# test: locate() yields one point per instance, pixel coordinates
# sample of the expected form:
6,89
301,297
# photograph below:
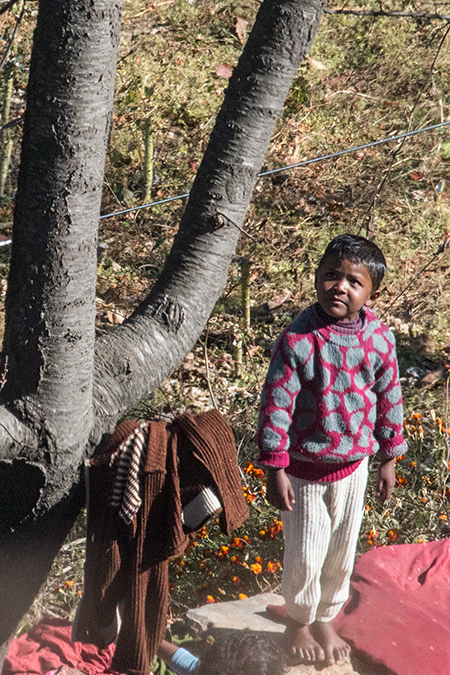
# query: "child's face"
343,287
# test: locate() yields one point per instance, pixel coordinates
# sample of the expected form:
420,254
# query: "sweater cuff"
277,460
388,451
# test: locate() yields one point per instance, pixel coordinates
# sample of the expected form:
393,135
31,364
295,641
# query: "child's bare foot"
300,644
335,648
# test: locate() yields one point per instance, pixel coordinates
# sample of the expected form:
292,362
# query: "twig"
152,8
382,183
440,250
13,36
7,5
397,15
208,378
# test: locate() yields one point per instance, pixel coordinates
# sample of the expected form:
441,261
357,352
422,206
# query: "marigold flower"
262,534
248,468
391,535
249,495
246,538
443,516
256,568
237,542
257,473
401,480
69,584
272,567
203,533
258,559
237,582
222,553
235,560
209,599
242,596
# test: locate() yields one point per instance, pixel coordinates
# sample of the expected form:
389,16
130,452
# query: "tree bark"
50,306
132,359
59,399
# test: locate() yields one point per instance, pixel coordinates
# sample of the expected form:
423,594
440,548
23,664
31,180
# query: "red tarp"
48,646
398,614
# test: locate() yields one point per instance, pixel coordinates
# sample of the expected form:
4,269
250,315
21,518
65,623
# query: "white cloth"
321,533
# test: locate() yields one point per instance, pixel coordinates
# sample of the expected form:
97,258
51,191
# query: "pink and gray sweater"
331,397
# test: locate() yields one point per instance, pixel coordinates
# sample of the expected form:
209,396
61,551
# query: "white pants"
321,533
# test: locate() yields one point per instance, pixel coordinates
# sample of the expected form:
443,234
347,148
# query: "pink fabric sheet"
398,615
48,646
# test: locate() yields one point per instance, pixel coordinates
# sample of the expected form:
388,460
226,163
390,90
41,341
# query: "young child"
238,653
331,399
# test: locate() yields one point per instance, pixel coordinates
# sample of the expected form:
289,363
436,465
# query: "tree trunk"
60,399
50,305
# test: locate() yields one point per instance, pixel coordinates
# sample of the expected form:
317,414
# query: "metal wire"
305,162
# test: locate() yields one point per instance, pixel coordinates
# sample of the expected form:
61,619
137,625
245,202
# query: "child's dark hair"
358,250
244,653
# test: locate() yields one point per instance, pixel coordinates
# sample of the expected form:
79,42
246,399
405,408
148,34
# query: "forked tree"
63,389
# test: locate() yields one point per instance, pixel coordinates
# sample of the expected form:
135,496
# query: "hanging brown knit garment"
130,564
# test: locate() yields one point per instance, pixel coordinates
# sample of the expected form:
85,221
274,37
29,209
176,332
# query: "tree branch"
132,359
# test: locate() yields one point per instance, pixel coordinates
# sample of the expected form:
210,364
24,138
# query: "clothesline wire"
305,162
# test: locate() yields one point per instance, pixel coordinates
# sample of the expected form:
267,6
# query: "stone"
217,618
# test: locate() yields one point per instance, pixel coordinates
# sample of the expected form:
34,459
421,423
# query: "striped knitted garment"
148,473
332,395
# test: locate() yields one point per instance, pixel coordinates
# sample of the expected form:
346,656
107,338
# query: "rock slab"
217,618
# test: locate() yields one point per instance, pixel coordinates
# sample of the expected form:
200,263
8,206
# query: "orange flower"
391,535
235,560
237,582
249,495
203,533
256,568
222,553
209,599
69,584
237,542
401,480
272,567
242,596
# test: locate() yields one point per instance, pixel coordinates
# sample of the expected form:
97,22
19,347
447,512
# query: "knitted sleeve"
389,422
279,394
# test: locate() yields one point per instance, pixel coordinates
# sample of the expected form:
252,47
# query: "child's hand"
385,481
279,490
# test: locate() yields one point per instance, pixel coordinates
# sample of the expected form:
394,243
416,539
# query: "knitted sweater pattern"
331,396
